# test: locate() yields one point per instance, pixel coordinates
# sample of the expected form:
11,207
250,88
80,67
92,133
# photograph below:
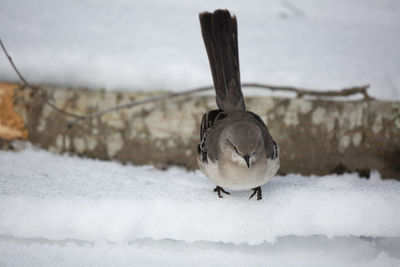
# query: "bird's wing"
271,147
207,123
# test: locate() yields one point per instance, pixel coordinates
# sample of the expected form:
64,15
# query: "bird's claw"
218,189
258,191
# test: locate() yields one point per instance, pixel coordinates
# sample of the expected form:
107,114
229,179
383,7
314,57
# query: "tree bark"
315,136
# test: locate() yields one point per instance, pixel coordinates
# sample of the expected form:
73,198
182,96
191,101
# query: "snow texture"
63,210
149,45
287,252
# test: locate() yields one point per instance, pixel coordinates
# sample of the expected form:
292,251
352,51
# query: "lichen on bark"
315,136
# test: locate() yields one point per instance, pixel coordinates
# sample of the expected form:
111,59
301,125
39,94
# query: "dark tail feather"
219,30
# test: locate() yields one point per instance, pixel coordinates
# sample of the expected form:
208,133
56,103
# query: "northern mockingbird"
236,150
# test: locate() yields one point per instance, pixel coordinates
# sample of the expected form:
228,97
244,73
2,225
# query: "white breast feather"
235,175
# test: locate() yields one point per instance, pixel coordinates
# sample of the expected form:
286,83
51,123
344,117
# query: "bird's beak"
247,159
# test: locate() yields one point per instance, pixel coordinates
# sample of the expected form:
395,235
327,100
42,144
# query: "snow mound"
68,198
137,45
287,252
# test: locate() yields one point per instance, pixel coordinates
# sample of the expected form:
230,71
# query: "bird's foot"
258,191
219,189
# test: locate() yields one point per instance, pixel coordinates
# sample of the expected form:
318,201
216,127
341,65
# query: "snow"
68,211
150,45
290,251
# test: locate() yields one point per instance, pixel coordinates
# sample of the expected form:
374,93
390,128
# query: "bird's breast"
228,174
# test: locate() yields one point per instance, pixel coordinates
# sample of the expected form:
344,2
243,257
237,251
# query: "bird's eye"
233,146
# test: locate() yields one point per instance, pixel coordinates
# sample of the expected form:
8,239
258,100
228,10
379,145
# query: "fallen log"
315,136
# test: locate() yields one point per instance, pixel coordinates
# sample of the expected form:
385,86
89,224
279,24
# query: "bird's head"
244,142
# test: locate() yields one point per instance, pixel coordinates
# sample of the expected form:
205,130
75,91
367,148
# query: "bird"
236,150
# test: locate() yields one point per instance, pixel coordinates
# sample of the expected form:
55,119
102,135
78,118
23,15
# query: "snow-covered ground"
68,211
142,45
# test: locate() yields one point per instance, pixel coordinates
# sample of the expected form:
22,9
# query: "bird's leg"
218,189
258,191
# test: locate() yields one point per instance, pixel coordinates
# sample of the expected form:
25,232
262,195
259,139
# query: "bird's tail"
219,30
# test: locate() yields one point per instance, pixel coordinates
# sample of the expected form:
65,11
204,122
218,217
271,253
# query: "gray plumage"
219,32
236,150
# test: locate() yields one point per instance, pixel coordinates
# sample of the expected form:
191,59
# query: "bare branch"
326,93
13,65
45,100
36,89
78,118
138,103
299,91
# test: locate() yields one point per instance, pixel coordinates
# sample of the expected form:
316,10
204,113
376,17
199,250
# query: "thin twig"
13,65
326,93
299,91
36,89
139,102
78,118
